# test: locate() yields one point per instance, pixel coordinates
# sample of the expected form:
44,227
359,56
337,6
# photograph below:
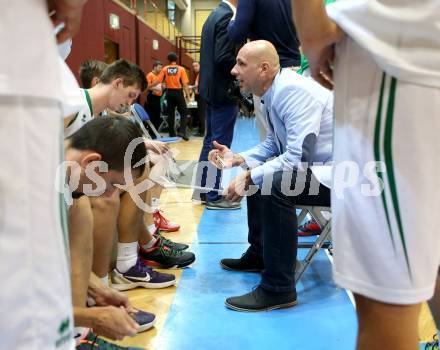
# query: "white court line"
349,293
169,184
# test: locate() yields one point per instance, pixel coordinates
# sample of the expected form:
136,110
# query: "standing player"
35,297
387,100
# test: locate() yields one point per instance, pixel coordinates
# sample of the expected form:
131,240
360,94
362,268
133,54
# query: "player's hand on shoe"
109,296
114,323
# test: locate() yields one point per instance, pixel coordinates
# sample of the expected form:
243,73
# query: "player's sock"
127,256
105,280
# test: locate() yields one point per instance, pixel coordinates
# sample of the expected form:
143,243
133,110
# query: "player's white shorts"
35,297
386,243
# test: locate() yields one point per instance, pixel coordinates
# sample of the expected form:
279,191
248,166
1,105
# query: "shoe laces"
148,270
162,219
434,345
307,223
92,343
140,266
167,250
165,241
98,343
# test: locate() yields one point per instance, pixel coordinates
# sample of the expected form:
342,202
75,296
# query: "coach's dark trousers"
273,226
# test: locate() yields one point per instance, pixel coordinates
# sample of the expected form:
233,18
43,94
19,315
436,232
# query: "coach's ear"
264,67
89,158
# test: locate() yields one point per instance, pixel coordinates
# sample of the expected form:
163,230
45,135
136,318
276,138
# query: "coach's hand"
223,158
238,187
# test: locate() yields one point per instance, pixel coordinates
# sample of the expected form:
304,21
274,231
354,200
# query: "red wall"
125,36
147,55
134,37
88,43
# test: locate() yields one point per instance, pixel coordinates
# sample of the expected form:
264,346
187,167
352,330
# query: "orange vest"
157,90
175,76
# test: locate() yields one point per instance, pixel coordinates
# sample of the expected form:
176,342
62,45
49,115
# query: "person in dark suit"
217,58
271,21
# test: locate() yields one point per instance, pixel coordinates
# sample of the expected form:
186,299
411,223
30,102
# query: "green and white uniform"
387,105
35,297
82,117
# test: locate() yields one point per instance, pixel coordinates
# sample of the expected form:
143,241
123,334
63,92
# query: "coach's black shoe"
247,263
262,300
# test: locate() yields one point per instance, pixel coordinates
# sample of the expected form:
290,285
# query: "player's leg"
105,216
434,306
155,219
130,271
380,253
81,248
386,326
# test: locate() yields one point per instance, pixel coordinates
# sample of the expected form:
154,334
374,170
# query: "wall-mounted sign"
114,21
155,44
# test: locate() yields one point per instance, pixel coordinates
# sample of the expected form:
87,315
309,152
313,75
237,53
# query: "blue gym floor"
323,319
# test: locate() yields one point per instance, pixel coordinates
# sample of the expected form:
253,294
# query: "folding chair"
138,115
323,240
163,113
138,111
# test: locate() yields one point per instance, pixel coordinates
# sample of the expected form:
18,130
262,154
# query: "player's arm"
69,119
158,80
150,81
317,37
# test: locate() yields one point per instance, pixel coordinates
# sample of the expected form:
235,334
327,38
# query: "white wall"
187,20
184,19
205,4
